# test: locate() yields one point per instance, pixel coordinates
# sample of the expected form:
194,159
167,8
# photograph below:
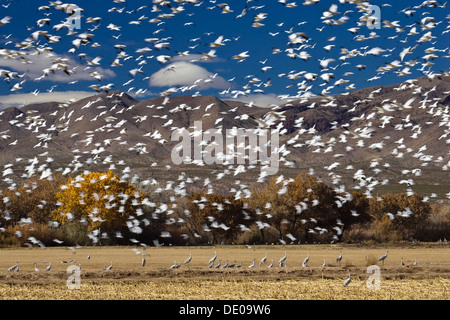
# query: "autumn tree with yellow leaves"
100,200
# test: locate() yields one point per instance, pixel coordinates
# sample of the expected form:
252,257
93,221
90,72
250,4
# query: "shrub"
436,227
383,230
358,233
34,234
75,232
255,236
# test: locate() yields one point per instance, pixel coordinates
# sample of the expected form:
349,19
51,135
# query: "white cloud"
182,73
29,98
195,57
34,66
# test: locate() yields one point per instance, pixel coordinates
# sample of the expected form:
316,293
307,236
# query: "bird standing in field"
253,264
108,267
226,264
283,259
143,253
188,260
383,257
339,258
263,260
305,262
14,267
211,261
347,281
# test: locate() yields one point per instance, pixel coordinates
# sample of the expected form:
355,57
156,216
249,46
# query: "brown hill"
389,133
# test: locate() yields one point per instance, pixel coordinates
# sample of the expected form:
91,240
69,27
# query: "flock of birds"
282,263
44,39
216,263
300,45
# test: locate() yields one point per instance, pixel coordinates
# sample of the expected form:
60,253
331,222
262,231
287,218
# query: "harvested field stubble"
128,279
305,289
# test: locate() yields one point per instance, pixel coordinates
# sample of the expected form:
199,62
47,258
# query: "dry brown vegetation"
305,210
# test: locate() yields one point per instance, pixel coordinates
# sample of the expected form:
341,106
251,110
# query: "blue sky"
163,29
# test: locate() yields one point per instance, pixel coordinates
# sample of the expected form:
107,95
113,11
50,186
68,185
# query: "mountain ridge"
401,127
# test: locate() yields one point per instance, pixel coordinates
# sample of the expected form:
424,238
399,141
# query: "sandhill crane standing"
253,264
347,281
188,260
263,260
283,259
211,261
108,267
382,258
270,265
217,265
339,258
305,261
49,267
226,264
143,261
14,267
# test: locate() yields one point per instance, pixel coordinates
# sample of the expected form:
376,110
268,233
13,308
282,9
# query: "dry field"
128,279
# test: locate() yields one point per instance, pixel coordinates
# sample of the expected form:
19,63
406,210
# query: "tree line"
103,209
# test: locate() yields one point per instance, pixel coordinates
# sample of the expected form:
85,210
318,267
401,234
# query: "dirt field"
128,279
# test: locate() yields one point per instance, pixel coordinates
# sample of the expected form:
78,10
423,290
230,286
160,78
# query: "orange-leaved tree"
101,200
